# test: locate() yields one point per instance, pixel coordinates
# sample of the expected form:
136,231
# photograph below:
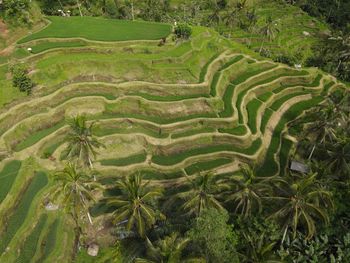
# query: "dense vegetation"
174,144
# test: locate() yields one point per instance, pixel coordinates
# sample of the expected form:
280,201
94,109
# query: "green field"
92,28
167,111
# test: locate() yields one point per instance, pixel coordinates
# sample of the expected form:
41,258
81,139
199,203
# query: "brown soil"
3,29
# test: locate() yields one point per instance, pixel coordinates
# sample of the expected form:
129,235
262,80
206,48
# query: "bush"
111,8
20,79
183,31
17,11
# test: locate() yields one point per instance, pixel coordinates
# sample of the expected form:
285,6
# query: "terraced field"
169,111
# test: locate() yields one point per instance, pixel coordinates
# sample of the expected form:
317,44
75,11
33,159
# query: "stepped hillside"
168,110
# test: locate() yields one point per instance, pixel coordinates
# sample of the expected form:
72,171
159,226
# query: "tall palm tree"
202,194
167,250
215,16
82,144
269,31
135,204
247,191
301,201
74,192
323,125
338,157
259,248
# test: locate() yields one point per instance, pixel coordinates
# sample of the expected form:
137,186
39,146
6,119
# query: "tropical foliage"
134,205
202,194
82,145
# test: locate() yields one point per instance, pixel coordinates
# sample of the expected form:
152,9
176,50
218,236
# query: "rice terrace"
112,102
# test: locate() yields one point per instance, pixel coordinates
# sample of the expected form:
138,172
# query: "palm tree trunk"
92,167
312,152
81,14
284,235
77,232
262,43
89,216
132,11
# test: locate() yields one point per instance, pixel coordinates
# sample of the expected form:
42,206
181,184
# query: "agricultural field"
166,110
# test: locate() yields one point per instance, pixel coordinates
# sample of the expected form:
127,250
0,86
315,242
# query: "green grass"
239,130
179,157
265,96
138,158
286,147
279,102
102,129
49,242
206,165
50,45
158,175
252,109
252,71
30,244
100,29
213,83
37,136
265,119
192,132
7,177
227,98
270,166
204,70
15,220
156,119
284,73
51,148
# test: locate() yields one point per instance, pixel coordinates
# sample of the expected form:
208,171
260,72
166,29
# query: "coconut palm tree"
259,248
202,194
301,201
82,144
168,250
338,157
247,191
269,31
135,204
73,191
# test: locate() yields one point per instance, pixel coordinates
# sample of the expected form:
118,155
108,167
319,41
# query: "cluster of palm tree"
296,202
76,182
325,140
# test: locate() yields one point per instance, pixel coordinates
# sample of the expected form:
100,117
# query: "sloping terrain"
167,110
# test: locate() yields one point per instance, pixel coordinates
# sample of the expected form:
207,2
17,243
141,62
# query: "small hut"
299,167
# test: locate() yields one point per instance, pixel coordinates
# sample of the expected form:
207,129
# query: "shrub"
111,8
183,31
20,78
17,11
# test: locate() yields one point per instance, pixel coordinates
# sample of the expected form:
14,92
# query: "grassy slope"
93,28
166,64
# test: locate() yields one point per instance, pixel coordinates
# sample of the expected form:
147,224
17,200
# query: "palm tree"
168,250
201,194
135,204
259,248
338,157
79,7
269,31
247,191
74,192
82,144
323,125
301,201
214,17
